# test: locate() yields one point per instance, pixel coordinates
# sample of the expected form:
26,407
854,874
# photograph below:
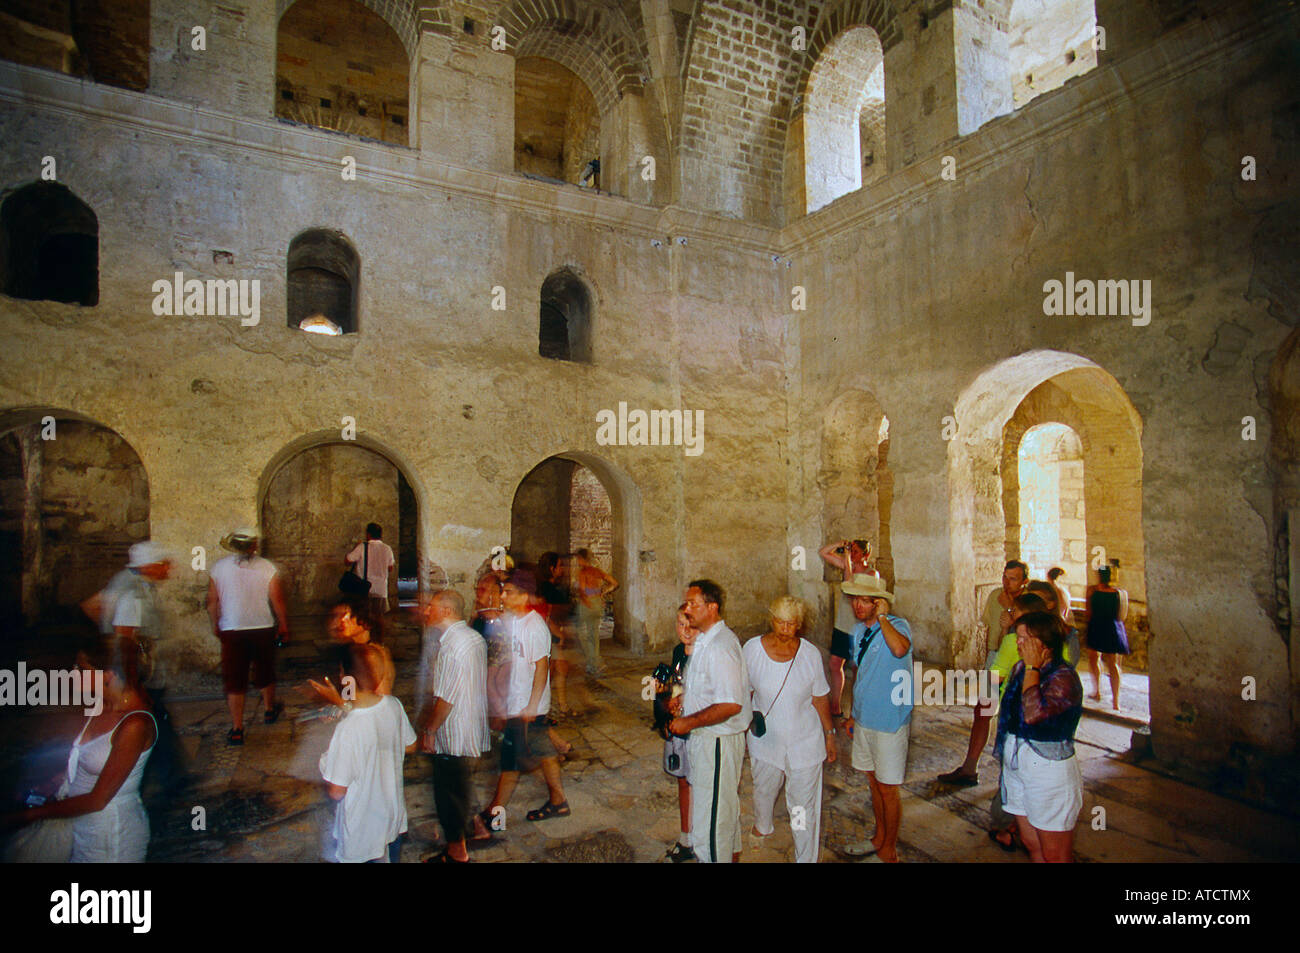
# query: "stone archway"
314,501
542,518
74,496
993,413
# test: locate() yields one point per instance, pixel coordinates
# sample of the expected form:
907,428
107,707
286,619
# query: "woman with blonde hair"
791,735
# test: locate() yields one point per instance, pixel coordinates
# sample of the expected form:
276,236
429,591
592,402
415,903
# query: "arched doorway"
315,500
995,414
574,500
74,497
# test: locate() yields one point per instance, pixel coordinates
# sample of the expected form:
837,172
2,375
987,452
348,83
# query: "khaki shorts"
882,752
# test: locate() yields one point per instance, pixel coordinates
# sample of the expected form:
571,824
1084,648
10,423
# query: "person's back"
365,756
244,586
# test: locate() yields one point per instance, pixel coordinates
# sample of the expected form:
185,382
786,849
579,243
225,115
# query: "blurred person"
882,648
1105,615
527,746
100,790
453,719
1041,783
127,611
488,623
247,607
714,711
372,559
850,557
555,605
790,691
593,586
362,767
676,760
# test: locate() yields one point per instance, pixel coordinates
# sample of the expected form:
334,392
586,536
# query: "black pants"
451,794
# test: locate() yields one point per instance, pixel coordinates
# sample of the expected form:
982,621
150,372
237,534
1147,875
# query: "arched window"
844,117
557,124
1052,515
324,272
340,66
564,326
51,245
103,40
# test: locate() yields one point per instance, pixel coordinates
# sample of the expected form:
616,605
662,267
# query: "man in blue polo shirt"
882,649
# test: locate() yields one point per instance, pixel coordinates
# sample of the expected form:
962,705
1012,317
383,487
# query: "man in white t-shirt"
373,560
453,717
363,767
247,607
527,744
713,711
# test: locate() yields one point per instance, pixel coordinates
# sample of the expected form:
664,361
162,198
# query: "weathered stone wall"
316,511
924,293
941,287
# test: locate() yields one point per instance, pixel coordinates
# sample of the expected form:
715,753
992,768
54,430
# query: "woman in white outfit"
105,767
788,679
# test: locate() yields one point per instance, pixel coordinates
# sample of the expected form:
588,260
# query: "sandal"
548,810
235,736
272,714
443,858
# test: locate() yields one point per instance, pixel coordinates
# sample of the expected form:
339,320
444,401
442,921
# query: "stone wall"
316,510
942,283
924,293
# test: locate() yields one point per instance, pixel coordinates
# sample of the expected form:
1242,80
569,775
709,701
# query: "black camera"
665,676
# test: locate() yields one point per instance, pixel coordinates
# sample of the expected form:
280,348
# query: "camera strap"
866,641
789,669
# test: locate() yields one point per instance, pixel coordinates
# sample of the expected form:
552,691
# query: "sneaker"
680,853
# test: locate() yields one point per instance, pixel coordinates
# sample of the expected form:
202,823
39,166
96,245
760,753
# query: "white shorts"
1048,794
882,752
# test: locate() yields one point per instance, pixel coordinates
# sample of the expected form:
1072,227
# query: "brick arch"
596,44
401,15
835,19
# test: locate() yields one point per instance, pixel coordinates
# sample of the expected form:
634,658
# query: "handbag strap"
788,670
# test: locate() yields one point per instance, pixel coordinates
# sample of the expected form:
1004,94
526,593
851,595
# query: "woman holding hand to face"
1041,784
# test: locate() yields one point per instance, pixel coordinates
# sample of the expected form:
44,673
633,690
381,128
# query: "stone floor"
264,801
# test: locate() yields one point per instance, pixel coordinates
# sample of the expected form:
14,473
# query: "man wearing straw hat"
882,714
246,603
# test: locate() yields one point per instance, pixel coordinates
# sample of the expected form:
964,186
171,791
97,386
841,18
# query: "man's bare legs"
887,806
509,780
236,705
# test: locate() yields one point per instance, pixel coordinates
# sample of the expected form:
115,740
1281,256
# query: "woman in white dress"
788,680
105,767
